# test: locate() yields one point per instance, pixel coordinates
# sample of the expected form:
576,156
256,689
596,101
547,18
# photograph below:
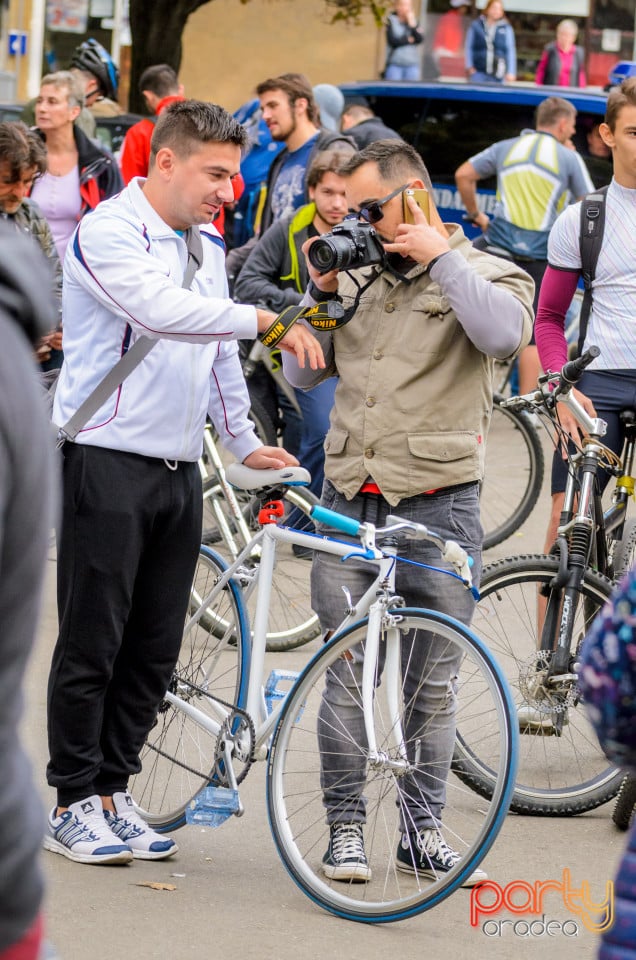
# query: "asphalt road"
233,897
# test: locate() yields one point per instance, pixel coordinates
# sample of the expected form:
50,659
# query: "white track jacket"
122,279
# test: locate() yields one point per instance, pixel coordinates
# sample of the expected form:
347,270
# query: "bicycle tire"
625,806
292,622
268,435
294,795
513,449
177,759
625,550
263,424
557,775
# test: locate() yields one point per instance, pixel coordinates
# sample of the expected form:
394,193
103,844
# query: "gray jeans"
429,665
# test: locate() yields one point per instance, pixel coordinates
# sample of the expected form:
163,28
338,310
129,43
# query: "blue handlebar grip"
335,520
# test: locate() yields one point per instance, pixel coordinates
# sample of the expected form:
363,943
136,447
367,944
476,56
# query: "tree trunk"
156,29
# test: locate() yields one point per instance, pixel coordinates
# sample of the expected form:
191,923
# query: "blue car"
449,122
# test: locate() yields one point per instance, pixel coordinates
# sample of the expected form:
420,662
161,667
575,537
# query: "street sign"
17,43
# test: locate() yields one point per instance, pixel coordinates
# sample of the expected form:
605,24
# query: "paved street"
234,898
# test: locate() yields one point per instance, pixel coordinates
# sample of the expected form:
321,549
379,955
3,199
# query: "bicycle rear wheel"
393,799
513,449
559,774
178,758
213,499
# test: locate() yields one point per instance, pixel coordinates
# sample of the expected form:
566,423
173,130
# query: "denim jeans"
429,666
315,405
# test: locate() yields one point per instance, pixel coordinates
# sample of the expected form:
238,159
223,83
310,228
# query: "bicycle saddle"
246,478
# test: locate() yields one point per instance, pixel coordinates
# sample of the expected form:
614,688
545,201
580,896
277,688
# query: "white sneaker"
145,843
81,834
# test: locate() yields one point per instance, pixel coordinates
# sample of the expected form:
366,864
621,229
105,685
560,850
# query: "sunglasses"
373,212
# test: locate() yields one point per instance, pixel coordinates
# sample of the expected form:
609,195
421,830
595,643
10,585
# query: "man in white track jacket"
131,526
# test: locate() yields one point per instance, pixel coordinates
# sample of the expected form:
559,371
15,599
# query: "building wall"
229,47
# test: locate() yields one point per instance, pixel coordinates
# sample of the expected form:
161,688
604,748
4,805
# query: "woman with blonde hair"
491,51
79,172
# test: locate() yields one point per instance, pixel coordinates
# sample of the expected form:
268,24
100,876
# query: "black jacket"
98,171
368,131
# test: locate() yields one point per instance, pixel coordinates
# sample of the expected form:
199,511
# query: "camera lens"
332,253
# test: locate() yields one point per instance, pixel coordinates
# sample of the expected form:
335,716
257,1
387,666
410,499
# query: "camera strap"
326,316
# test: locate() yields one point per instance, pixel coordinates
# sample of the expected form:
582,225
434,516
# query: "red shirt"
135,150
135,154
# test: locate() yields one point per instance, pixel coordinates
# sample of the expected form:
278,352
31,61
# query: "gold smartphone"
421,198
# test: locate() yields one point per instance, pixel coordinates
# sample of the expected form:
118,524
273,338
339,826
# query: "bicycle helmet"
92,57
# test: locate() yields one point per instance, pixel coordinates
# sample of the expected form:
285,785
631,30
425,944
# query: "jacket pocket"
336,441
443,447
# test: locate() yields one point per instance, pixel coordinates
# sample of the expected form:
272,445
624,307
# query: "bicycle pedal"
213,806
273,693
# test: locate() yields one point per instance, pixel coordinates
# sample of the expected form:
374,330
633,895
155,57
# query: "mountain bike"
222,713
534,612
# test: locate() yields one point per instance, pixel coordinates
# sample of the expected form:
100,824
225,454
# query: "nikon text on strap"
590,242
133,357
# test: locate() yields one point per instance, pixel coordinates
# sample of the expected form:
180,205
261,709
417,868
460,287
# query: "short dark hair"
327,161
619,97
395,160
550,111
16,148
160,79
295,86
186,124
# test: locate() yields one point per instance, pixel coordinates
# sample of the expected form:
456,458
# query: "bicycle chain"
236,713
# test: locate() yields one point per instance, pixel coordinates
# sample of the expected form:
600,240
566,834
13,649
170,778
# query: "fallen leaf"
154,885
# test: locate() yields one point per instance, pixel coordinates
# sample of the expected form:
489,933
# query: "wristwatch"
472,217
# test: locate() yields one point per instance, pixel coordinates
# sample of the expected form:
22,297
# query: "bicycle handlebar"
572,370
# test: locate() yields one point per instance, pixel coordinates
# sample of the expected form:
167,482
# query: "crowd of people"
130,517
483,40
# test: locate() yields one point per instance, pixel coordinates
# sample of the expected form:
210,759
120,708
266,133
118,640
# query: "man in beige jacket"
408,429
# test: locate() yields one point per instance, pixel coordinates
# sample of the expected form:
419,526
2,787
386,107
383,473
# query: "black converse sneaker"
426,853
345,859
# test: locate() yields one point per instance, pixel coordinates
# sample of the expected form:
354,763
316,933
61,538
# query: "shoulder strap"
590,242
132,358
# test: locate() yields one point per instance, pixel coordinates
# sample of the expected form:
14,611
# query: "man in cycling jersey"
609,384
408,427
536,174
132,500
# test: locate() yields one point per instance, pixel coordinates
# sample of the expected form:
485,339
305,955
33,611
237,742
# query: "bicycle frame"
270,536
578,532
375,603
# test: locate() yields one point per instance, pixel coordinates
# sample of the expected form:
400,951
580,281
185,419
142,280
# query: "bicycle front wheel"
625,807
625,550
562,768
513,450
178,758
392,790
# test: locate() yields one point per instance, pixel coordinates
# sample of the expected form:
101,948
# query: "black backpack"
590,242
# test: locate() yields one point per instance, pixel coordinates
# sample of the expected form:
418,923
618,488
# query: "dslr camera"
352,243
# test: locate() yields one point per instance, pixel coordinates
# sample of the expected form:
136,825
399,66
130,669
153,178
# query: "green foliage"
351,11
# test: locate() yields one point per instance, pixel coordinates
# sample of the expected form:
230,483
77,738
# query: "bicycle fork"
381,621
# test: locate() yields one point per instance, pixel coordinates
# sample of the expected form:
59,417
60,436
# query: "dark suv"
449,122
